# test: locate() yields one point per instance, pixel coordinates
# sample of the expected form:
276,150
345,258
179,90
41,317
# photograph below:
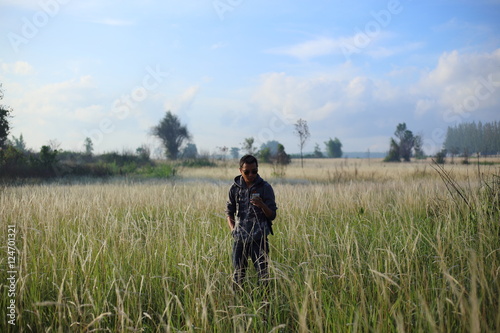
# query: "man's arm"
231,209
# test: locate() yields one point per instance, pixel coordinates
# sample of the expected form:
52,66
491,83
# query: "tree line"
473,138
174,136
16,161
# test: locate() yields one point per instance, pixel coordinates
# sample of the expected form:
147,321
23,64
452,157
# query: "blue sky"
232,69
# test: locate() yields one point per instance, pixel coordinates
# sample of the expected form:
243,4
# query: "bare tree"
247,145
302,131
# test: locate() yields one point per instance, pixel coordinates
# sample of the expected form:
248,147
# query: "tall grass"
353,255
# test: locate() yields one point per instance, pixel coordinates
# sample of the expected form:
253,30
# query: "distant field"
359,246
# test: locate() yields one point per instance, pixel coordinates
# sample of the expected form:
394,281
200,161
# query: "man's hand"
257,201
230,222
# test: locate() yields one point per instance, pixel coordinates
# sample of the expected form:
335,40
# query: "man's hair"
248,159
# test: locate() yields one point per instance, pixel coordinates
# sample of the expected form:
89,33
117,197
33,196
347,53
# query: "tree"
406,141
144,152
403,148
247,145
317,152
334,148
47,162
5,112
223,152
172,134
19,143
282,157
419,142
393,155
265,155
440,157
190,151
235,152
280,160
470,138
302,131
88,145
272,145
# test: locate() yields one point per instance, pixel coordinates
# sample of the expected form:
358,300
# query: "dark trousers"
258,251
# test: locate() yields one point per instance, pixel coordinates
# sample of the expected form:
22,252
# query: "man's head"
249,168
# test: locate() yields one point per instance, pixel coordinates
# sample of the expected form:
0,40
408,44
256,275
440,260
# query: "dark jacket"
250,220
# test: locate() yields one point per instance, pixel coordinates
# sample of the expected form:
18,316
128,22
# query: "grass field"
359,246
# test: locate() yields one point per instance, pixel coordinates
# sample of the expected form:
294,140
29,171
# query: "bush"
198,162
440,157
159,171
48,163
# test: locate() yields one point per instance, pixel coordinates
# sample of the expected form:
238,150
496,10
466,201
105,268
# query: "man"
251,208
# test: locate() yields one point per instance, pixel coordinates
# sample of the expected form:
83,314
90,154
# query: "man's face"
249,172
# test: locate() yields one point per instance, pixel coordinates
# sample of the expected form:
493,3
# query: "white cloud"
313,48
463,83
18,68
318,98
384,52
24,4
184,102
57,98
56,110
359,43
456,24
424,105
114,22
92,113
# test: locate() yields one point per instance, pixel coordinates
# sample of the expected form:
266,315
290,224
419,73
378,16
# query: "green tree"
418,147
440,157
144,152
47,162
5,112
265,155
235,152
88,145
190,151
406,141
282,157
48,157
302,132
280,160
172,134
393,155
19,143
317,151
333,148
272,145
470,138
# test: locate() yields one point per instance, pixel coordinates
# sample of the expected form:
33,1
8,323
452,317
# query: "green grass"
399,256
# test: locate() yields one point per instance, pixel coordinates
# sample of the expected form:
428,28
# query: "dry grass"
359,246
